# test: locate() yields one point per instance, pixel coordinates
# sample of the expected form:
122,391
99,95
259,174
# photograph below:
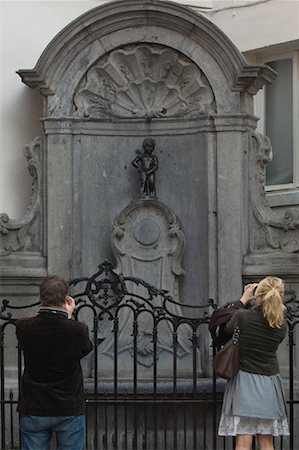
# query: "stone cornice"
253,78
73,126
22,266
271,263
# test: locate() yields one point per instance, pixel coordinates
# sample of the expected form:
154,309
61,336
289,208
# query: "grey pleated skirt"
254,404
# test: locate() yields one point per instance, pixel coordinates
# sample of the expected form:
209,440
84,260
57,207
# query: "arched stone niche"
132,69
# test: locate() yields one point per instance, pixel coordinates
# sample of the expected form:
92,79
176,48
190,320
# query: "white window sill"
282,196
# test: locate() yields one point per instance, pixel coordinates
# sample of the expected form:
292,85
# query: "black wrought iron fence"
149,381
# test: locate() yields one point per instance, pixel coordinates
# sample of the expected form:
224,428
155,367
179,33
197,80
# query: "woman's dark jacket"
52,383
218,322
258,341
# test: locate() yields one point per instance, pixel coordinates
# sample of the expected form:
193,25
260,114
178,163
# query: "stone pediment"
144,81
142,59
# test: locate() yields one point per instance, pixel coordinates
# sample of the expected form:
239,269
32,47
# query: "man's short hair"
52,291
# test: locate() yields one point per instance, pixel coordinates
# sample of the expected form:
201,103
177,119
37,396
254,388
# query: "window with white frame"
278,108
279,123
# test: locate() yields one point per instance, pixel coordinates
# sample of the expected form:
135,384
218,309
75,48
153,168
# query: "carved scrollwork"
150,237
24,235
281,231
144,81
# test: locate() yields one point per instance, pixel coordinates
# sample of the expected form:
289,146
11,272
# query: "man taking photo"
51,398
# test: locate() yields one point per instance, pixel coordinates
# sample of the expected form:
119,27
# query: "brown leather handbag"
226,361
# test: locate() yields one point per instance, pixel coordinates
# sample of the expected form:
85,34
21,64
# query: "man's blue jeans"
36,432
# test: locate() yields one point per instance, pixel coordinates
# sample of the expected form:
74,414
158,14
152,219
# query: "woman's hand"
248,292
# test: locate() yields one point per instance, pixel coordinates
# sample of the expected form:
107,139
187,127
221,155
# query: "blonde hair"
269,294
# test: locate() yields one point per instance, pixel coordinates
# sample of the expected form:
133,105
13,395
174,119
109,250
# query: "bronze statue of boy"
147,164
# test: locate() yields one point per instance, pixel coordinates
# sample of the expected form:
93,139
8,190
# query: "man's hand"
69,304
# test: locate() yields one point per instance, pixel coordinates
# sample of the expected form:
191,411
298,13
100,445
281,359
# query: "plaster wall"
252,26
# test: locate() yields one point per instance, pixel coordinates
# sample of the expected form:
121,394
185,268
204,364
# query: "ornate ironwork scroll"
147,310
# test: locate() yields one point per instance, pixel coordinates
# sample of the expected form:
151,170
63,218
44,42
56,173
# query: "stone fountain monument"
148,243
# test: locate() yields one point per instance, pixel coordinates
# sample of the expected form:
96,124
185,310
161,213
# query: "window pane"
279,123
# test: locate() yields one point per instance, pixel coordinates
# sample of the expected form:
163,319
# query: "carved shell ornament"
144,81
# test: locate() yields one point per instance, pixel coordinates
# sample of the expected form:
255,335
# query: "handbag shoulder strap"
233,323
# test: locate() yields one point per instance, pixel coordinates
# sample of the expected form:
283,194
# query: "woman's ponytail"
269,294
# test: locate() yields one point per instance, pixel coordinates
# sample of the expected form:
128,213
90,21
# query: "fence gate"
149,380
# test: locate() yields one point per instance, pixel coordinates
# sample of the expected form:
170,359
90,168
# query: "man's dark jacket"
52,383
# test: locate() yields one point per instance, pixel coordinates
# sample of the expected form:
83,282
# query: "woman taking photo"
254,402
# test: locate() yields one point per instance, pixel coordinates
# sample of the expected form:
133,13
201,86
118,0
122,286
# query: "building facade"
93,81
